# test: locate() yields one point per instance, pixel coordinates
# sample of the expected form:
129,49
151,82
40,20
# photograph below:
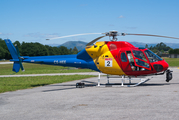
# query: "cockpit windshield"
139,54
140,59
152,57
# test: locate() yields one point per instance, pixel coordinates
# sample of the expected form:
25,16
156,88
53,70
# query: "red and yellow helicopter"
109,57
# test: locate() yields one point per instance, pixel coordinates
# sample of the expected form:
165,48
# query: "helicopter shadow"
71,86
93,84
63,87
133,84
154,84
58,89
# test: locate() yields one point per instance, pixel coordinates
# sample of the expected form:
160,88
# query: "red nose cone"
165,65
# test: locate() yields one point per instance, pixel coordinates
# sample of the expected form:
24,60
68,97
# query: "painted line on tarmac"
6,62
52,74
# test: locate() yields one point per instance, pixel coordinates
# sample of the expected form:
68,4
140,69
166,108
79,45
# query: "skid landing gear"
123,84
142,80
139,83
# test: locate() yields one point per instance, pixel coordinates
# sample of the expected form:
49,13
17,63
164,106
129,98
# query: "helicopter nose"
162,66
165,65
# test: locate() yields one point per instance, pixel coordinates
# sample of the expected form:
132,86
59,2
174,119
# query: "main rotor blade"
93,41
148,35
72,35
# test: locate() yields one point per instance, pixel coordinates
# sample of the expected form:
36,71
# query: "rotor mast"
112,34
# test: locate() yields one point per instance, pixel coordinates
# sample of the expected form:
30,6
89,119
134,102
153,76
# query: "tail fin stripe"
11,48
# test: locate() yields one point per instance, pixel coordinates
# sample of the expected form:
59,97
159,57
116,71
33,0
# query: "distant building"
165,55
174,55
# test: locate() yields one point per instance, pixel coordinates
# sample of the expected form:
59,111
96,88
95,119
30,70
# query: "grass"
30,68
173,62
17,83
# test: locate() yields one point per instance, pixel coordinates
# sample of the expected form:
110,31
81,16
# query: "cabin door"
124,58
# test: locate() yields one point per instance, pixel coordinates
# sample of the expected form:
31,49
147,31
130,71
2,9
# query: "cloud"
121,16
41,35
5,33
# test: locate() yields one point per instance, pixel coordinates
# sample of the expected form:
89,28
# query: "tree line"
174,51
35,49
161,48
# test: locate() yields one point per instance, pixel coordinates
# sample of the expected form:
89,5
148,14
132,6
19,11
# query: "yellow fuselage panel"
103,59
96,50
108,64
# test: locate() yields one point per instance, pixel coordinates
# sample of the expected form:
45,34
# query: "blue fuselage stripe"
64,60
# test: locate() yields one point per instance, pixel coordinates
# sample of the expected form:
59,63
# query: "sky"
38,20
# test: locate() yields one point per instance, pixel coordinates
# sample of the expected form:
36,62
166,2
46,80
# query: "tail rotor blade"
20,59
17,49
20,62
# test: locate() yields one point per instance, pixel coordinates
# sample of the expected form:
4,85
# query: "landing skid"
142,80
139,83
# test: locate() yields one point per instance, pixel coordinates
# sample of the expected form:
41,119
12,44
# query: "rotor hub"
112,34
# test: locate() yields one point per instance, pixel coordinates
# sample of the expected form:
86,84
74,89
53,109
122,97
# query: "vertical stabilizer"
12,49
15,56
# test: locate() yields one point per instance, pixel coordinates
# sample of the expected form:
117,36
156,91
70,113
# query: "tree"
162,51
2,53
56,51
5,49
2,44
146,46
176,51
33,49
63,50
171,51
75,50
18,45
70,50
160,47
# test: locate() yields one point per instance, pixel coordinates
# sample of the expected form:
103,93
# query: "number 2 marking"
108,63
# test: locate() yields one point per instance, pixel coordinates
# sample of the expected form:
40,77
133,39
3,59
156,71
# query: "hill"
81,45
71,44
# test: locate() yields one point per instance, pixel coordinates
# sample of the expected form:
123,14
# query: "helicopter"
110,57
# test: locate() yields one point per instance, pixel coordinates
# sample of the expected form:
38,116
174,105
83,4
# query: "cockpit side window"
152,57
123,57
130,57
